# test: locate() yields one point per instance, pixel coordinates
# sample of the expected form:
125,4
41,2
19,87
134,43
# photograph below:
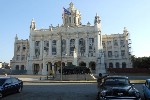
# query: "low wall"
128,70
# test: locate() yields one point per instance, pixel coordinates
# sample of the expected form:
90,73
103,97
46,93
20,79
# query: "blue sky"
16,16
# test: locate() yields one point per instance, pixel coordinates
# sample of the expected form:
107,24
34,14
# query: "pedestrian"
99,83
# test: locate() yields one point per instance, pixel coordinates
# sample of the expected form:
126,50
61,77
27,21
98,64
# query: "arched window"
123,65
72,46
54,45
63,47
117,65
91,47
110,65
82,46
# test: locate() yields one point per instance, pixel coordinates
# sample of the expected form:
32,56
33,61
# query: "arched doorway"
49,68
36,68
17,67
110,65
82,64
123,65
22,67
92,65
117,65
57,66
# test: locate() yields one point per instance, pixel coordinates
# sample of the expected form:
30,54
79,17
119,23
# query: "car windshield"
2,81
116,81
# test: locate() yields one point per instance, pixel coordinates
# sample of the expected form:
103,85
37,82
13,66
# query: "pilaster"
87,45
41,48
68,46
59,47
50,47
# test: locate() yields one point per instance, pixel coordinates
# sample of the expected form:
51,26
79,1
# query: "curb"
59,81
48,81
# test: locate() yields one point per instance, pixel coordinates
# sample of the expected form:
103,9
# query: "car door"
15,84
7,86
147,89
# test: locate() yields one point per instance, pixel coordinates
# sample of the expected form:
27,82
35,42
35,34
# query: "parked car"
117,87
10,85
146,89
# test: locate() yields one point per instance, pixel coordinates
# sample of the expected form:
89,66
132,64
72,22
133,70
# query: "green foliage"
140,62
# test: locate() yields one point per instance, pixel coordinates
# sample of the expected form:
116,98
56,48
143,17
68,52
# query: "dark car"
146,89
10,85
117,87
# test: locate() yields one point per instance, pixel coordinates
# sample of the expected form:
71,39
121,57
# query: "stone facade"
47,48
21,49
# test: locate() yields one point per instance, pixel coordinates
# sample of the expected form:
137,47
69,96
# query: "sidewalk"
43,79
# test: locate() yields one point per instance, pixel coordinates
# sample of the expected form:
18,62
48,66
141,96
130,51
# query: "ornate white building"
47,48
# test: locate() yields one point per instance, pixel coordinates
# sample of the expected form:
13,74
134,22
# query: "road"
58,91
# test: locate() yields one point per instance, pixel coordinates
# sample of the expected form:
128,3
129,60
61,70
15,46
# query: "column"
59,47
40,70
68,46
41,49
50,47
20,51
86,47
77,45
96,46
32,48
53,67
44,70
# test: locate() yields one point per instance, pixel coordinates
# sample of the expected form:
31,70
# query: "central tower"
71,16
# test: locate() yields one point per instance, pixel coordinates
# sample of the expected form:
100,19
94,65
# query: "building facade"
48,49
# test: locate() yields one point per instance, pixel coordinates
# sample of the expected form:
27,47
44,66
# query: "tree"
140,62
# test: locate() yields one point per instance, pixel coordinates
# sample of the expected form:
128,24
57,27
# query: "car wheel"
19,90
1,95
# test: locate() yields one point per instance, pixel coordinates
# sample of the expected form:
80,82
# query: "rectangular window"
18,57
115,43
69,19
123,53
122,43
54,51
18,47
116,54
103,43
37,43
108,43
91,47
23,57
109,53
24,48
104,53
